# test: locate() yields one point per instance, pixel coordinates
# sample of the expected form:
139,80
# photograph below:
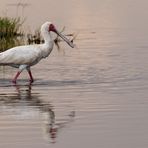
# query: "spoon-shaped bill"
66,39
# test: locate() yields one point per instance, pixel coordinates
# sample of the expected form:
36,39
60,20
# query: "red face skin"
52,28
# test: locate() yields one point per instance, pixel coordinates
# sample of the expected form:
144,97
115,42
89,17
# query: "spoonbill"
23,57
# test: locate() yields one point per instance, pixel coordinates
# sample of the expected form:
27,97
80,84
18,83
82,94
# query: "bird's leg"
30,75
16,76
21,68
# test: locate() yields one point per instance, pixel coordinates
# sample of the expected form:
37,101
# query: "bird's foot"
14,81
31,80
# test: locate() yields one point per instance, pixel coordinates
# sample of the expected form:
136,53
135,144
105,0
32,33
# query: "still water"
94,96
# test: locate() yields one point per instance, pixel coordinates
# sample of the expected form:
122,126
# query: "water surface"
93,96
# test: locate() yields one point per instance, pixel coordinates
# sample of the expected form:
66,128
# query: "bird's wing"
20,55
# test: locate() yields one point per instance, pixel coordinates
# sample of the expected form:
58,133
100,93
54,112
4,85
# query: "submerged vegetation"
10,30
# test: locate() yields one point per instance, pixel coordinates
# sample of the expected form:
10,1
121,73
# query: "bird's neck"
47,37
48,44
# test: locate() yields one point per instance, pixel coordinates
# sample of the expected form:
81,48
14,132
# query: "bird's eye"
51,27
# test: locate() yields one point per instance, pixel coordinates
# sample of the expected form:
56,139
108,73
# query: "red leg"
16,76
30,75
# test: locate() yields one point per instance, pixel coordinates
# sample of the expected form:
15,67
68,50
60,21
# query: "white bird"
23,57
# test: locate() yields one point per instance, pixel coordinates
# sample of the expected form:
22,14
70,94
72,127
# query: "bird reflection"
24,98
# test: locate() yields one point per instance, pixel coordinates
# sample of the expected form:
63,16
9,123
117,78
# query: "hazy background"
110,13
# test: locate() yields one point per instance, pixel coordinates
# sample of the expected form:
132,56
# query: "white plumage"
23,57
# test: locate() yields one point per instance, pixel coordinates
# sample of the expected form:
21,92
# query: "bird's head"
48,26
